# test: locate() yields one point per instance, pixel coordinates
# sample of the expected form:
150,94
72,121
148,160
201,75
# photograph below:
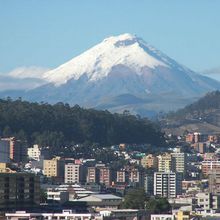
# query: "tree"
158,205
135,199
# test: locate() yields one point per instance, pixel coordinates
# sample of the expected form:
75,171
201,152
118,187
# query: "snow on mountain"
122,72
98,61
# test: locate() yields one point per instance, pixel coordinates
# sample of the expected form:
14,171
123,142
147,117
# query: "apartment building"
122,176
19,190
208,202
92,175
149,184
54,168
136,178
167,184
105,176
149,161
18,150
179,161
210,166
34,152
214,182
74,173
4,151
165,163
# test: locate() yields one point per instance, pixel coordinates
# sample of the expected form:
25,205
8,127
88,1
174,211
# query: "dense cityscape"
109,110
181,183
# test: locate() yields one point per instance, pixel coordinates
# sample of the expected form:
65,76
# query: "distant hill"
202,115
61,124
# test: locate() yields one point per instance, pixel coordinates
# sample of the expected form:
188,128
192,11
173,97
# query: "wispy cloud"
28,72
22,78
215,70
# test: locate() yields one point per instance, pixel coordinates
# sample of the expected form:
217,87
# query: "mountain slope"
200,116
120,67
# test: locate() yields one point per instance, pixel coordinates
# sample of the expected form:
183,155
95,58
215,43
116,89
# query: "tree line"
61,124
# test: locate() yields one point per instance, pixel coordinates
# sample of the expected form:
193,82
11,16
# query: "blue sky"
47,33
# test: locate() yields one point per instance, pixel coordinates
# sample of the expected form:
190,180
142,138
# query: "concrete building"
214,182
200,147
167,184
34,152
165,163
136,178
18,150
74,173
105,176
19,190
149,161
149,184
122,176
210,167
208,202
4,151
92,175
179,161
54,168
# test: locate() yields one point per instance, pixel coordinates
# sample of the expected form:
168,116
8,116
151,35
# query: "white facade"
4,151
162,217
60,197
66,214
34,152
167,184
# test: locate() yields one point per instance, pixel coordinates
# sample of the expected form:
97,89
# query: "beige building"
5,169
183,215
34,152
149,161
165,163
54,168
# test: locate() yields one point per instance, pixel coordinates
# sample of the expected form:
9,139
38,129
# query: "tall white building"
73,173
167,184
34,152
4,151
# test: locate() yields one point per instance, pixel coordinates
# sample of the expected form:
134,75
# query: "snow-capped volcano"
97,62
122,72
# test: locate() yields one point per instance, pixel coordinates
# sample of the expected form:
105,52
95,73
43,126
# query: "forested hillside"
210,102
61,124
201,116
